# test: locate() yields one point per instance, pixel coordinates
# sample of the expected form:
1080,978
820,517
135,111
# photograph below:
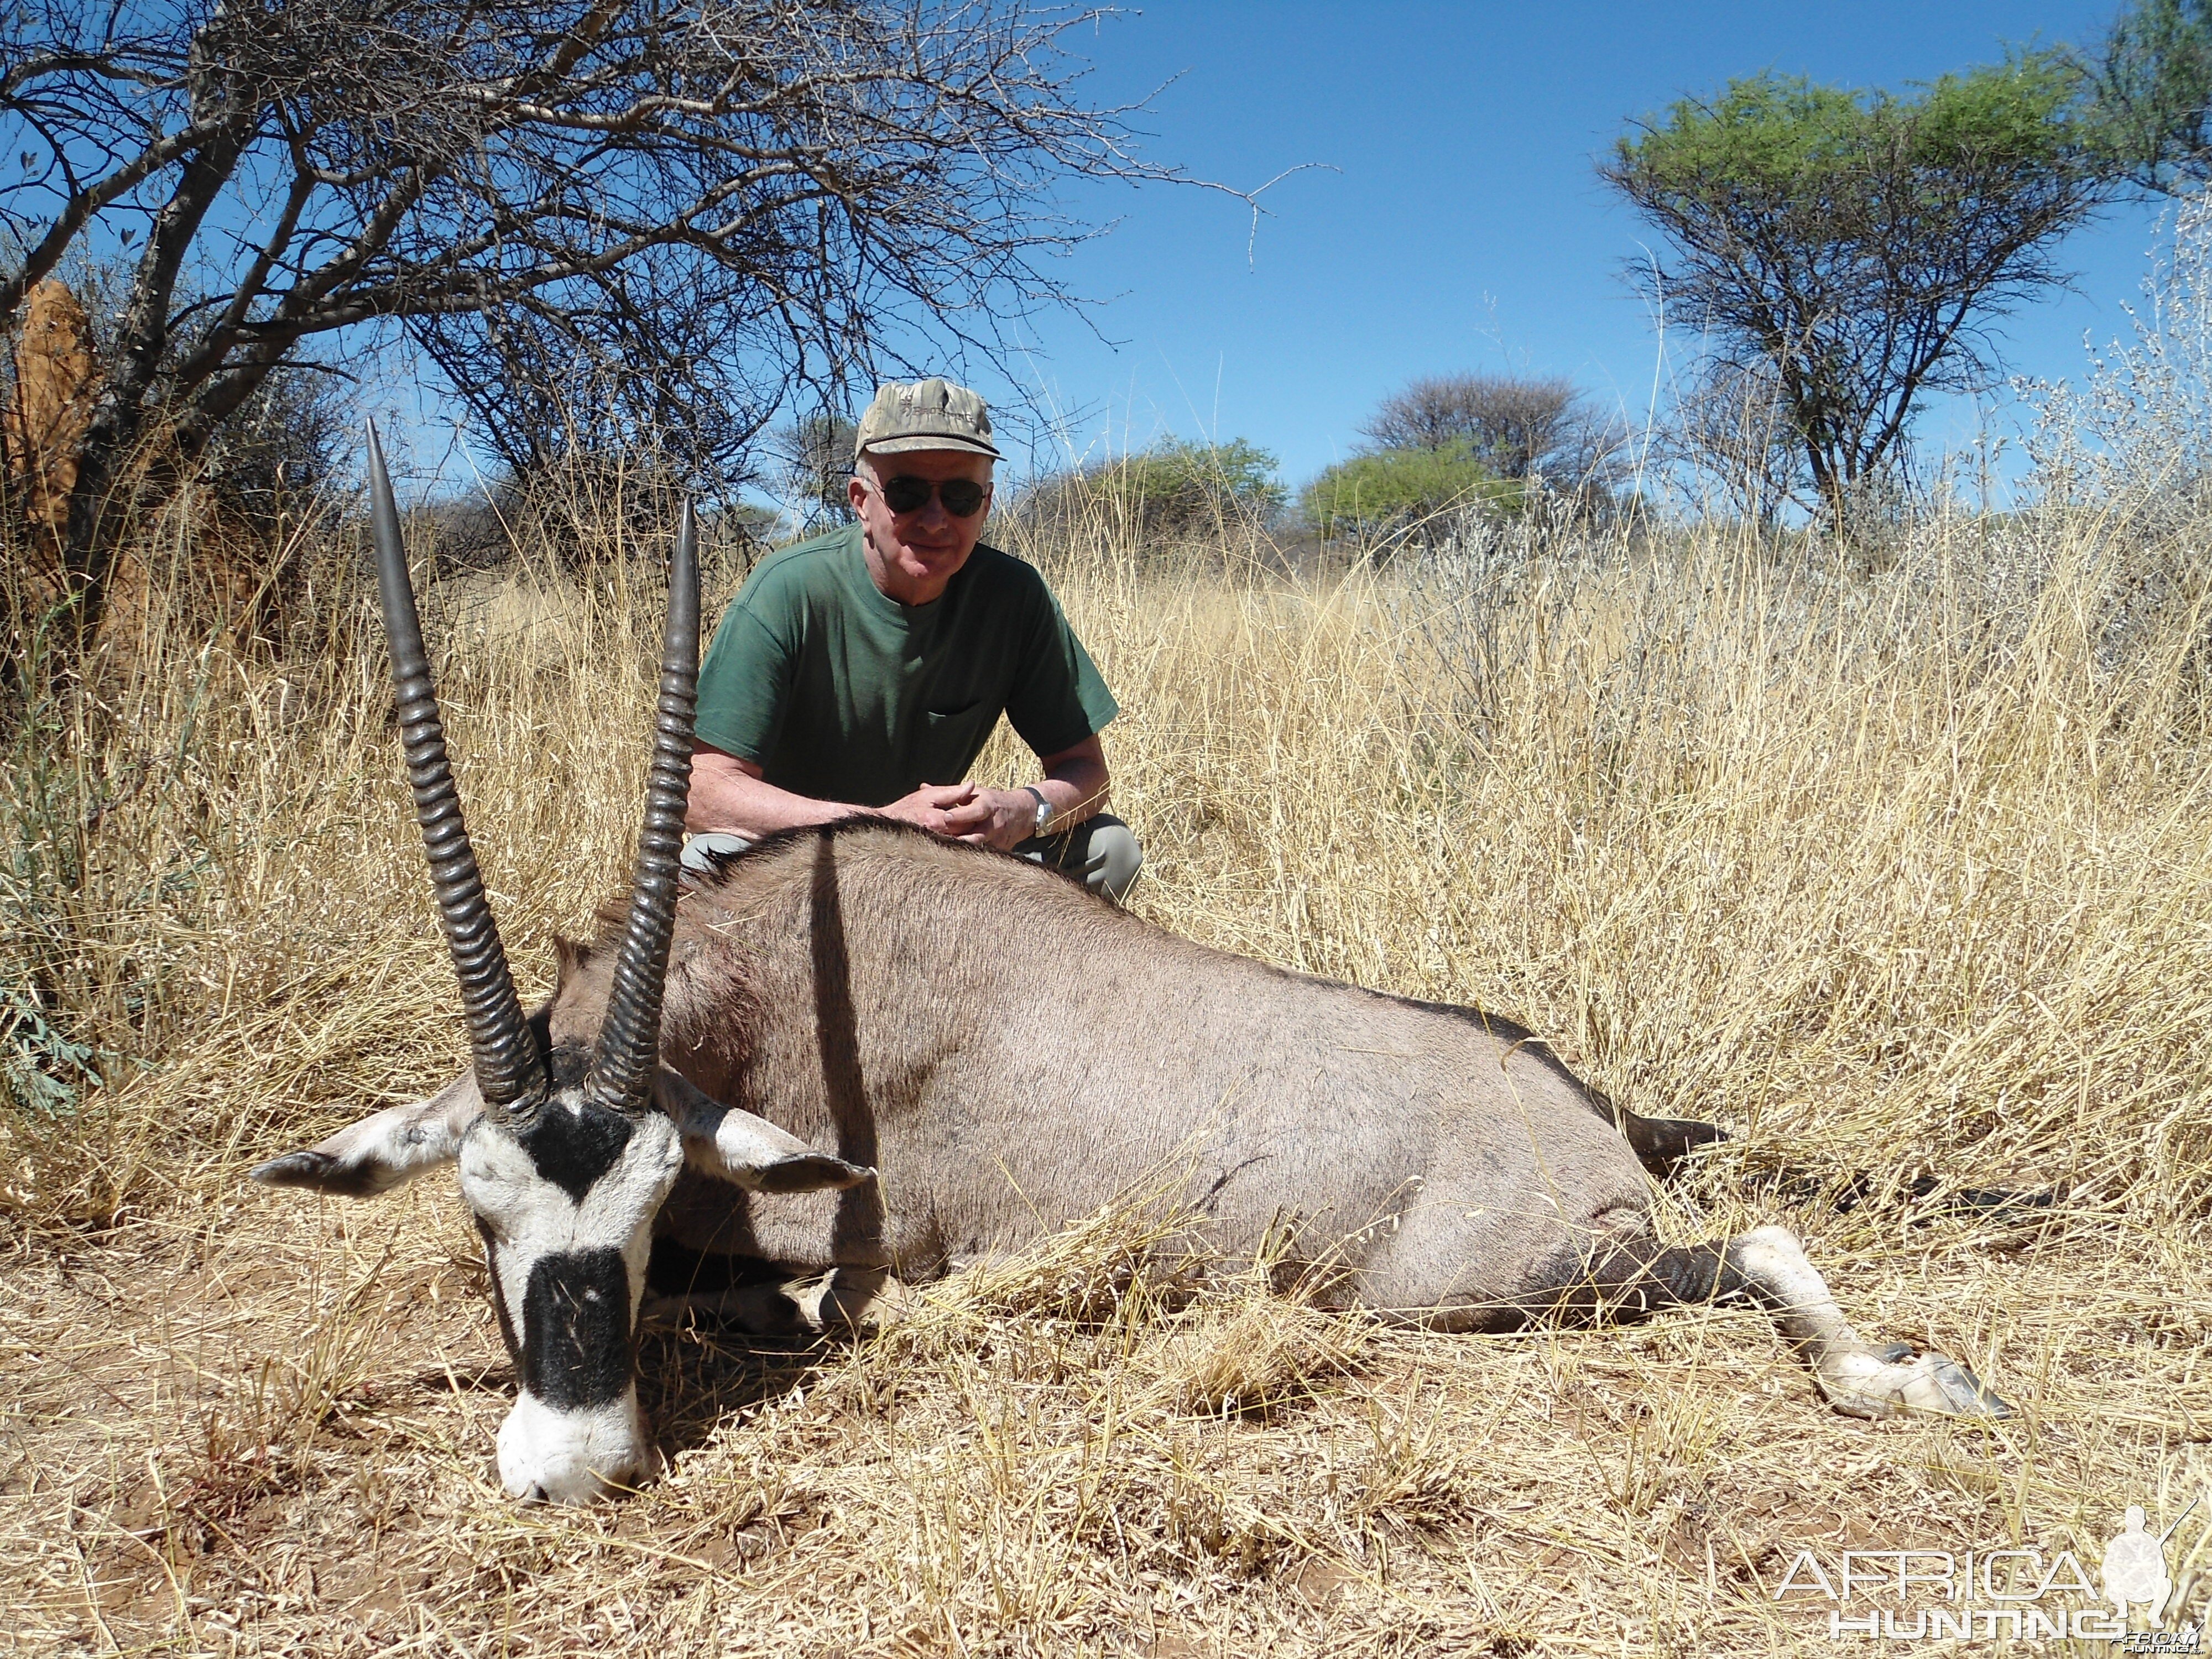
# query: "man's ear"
384,1148
736,1146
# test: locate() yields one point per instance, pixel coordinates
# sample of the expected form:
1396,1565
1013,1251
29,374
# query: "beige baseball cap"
931,414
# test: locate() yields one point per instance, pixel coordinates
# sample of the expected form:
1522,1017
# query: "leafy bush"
43,1063
1375,493
1178,487
1184,482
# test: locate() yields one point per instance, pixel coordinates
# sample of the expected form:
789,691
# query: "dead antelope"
729,1069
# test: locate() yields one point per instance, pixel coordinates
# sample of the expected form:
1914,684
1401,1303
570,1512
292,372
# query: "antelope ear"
736,1146
383,1150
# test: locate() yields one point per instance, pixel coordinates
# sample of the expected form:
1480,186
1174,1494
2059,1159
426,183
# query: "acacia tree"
2153,91
1514,424
1857,246
690,205
813,460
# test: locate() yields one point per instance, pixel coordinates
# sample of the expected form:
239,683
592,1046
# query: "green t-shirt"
840,693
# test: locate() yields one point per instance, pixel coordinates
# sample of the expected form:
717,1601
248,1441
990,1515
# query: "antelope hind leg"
1855,1378
1638,1277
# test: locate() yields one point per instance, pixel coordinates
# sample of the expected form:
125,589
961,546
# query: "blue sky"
1446,217
1462,227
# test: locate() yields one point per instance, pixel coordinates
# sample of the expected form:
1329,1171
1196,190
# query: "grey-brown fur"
1010,1052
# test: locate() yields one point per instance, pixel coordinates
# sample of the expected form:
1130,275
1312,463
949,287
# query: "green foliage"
1175,486
2153,91
1178,481
44,1066
1393,487
1855,245
1779,136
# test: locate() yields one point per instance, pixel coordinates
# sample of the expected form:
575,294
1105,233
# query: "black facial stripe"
499,1295
573,1149
576,1329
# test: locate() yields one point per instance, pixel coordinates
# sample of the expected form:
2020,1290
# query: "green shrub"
1179,482
1388,488
1176,487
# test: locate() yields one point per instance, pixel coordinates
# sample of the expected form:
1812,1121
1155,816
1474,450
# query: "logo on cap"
931,414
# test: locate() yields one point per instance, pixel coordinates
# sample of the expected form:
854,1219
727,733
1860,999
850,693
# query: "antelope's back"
1011,1053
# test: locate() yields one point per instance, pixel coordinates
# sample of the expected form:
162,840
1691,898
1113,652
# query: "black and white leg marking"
1855,1378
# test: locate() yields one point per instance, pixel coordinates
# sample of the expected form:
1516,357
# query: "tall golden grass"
1894,873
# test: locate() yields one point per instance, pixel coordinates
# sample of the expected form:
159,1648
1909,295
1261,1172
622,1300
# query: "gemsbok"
863,1048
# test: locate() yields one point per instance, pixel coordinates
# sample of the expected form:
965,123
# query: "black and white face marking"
576,1329
565,1205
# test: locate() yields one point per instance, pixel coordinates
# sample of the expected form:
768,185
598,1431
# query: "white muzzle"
548,1457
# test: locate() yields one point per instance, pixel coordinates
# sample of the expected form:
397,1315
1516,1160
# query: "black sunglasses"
962,497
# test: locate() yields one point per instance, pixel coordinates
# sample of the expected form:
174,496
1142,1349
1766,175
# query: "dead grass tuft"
1120,1265
1253,1357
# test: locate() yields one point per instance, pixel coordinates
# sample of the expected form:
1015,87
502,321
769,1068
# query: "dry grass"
1903,873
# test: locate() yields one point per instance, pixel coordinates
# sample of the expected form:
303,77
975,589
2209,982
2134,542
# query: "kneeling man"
855,672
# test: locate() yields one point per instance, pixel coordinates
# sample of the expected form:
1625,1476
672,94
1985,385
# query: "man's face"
912,556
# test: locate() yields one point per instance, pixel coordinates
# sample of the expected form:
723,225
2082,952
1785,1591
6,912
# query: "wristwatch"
1044,808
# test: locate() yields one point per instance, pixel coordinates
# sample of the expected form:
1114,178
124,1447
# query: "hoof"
1876,1385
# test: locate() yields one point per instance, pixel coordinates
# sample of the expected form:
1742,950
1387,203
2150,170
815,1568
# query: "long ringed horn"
629,1042
510,1072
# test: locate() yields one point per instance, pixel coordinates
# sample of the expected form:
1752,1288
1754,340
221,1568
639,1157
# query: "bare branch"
694,206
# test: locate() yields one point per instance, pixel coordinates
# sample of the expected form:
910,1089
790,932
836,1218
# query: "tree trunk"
108,455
